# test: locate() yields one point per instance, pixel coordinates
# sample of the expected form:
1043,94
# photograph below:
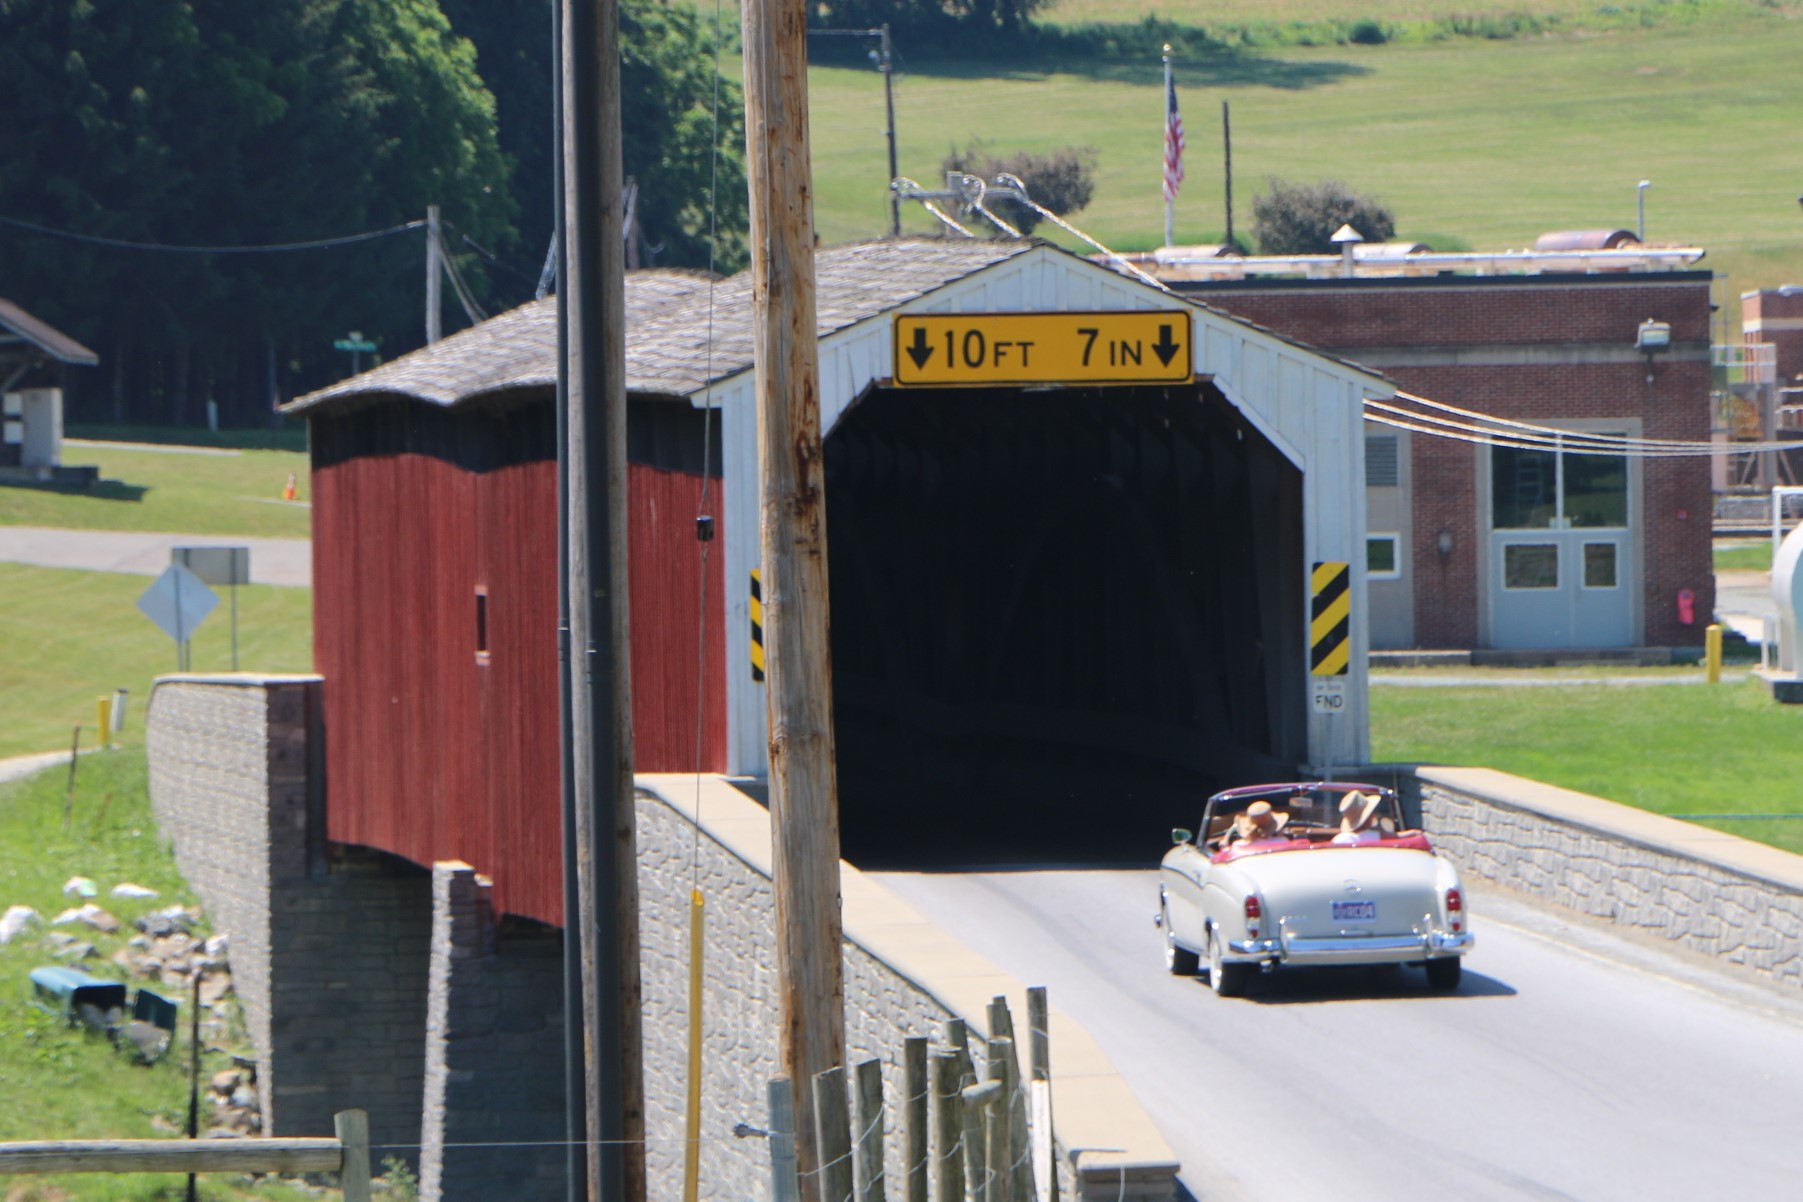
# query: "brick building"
1478,546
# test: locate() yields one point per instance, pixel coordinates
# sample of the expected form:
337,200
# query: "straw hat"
1357,809
1259,821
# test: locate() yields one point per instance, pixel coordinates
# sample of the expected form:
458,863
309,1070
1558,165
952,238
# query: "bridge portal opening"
1060,618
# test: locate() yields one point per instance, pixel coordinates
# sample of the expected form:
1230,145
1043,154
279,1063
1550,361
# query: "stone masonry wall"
228,789
328,953
494,1051
1736,902
740,1008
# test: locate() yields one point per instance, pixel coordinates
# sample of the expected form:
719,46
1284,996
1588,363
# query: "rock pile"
167,956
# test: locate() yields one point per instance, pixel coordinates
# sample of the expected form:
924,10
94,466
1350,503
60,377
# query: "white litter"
80,886
15,920
127,889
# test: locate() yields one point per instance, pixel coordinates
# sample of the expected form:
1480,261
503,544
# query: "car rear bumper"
1352,949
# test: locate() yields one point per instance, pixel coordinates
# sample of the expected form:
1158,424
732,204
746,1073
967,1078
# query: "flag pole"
1169,199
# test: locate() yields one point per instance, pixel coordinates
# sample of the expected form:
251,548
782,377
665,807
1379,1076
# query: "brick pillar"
494,1051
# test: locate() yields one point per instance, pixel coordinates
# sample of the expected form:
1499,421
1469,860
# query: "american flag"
1173,142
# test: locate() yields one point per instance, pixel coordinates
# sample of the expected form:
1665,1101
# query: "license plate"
1354,911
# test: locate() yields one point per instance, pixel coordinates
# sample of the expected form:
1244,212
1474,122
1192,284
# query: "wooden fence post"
1039,1089
978,1148
868,1137
352,1127
785,1185
1013,1104
832,1136
914,1116
948,1169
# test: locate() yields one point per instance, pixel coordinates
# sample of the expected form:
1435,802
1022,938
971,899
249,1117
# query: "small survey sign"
1128,346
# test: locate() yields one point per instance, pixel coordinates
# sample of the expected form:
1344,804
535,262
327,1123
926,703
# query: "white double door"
1561,588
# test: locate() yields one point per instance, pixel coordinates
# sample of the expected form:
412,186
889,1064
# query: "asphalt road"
281,561
1570,1064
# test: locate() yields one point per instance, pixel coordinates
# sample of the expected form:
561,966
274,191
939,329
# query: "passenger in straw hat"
1259,821
1358,818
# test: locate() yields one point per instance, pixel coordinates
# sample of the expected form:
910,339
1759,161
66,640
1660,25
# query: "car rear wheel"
1444,973
1180,961
1227,980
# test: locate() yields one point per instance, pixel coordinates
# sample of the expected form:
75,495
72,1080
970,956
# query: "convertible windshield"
1298,812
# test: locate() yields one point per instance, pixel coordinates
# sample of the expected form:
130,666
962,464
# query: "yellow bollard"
1712,652
103,717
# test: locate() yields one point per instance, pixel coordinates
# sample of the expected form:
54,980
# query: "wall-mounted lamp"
1444,542
1653,336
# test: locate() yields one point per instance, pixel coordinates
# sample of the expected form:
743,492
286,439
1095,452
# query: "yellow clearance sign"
1118,347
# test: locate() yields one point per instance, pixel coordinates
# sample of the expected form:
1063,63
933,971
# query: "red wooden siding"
665,559
436,753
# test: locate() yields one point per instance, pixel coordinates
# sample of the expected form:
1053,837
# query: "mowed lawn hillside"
74,635
1475,143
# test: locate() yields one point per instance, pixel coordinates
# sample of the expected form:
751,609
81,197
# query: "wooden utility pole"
598,719
804,805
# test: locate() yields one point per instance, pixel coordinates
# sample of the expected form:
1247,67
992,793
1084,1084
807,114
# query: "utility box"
78,997
33,428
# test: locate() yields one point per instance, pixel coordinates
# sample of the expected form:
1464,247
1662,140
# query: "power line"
170,248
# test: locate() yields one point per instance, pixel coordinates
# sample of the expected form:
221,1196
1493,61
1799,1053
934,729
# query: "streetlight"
1640,196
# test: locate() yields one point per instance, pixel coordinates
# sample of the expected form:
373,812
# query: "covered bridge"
1071,581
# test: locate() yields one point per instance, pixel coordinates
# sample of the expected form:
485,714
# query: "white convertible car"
1305,874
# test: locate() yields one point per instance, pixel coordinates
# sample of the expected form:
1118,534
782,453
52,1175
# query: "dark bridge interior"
1060,619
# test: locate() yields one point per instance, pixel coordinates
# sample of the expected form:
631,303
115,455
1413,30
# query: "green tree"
668,91
1301,219
216,122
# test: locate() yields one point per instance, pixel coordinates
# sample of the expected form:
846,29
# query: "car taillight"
1455,909
1253,913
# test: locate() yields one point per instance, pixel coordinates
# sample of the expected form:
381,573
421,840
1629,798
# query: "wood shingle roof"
683,330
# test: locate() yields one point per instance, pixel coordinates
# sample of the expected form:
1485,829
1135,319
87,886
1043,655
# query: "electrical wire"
172,248
464,297
1528,436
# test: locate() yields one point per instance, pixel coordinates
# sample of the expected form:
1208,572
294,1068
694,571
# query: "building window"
1533,489
481,624
1382,556
1599,565
1531,565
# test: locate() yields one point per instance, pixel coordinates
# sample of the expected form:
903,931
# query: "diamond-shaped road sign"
178,602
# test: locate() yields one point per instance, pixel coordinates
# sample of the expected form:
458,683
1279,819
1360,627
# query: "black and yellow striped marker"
757,628
1330,623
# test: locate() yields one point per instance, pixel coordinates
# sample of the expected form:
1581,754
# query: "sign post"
357,345
229,566
178,602
1330,638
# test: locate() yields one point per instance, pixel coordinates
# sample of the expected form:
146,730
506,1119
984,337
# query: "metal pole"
1640,200
1227,172
1170,202
234,621
886,65
434,278
804,807
600,726
575,1025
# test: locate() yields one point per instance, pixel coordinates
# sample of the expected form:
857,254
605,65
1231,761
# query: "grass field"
75,636
1680,749
171,491
60,1082
1481,143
